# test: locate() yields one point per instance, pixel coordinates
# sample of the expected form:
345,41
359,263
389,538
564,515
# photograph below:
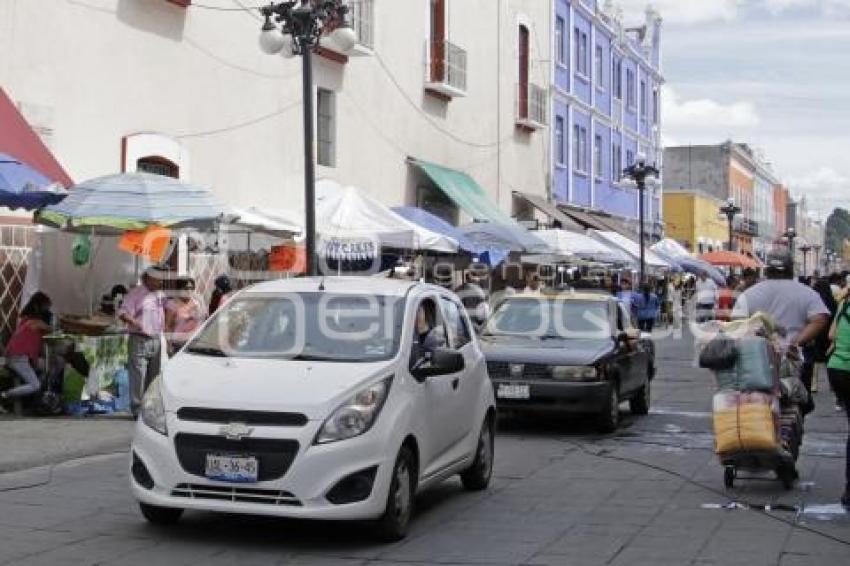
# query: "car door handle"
455,383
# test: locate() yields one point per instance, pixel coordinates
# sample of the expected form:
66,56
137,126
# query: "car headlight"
356,415
575,373
153,409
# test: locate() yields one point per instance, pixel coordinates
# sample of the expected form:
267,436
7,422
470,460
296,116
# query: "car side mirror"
622,337
442,362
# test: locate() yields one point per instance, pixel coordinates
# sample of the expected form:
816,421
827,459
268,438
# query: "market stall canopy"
436,224
134,201
511,237
730,259
349,221
671,248
697,266
17,138
550,210
673,262
630,247
21,186
582,246
272,222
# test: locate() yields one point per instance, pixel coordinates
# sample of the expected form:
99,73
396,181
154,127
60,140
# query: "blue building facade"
606,105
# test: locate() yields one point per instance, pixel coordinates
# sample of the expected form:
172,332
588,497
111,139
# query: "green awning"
464,192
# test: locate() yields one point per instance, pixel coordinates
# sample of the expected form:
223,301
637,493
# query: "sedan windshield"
304,326
547,318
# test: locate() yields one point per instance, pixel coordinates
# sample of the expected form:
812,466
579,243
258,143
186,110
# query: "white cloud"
824,189
826,7
683,11
705,114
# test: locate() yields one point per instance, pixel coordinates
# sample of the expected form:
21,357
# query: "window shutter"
181,3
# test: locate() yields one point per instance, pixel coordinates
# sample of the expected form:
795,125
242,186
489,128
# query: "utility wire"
240,125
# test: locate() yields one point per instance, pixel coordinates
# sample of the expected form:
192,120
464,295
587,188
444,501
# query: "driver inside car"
428,336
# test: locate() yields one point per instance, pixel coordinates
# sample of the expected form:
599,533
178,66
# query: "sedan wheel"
477,477
609,418
393,524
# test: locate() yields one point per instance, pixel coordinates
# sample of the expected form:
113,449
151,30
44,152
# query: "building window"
616,162
597,156
655,106
158,166
560,145
560,48
599,67
630,88
326,107
580,39
523,71
643,100
579,148
630,158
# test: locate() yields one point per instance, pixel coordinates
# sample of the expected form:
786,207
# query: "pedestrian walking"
814,354
646,306
144,314
706,297
183,314
625,294
838,370
222,291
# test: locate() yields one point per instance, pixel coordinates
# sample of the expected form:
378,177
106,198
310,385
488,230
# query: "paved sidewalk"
30,442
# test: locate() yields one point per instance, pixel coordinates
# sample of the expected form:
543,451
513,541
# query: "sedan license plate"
508,391
240,469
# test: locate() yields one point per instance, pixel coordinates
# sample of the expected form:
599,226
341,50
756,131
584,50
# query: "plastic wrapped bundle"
744,422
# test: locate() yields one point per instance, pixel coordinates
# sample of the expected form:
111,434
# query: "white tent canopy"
349,223
671,248
272,222
582,246
630,247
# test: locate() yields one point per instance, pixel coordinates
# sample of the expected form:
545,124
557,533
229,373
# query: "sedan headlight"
575,373
356,415
153,410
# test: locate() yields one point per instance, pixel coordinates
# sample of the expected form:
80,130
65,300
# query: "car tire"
477,476
393,524
609,418
639,404
161,516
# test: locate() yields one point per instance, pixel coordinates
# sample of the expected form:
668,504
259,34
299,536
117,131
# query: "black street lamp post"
817,248
790,234
292,28
730,210
641,174
805,249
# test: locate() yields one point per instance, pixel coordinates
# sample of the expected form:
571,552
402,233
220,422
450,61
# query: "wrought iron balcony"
531,107
446,70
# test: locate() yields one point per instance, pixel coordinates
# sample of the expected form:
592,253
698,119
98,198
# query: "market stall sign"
287,257
152,243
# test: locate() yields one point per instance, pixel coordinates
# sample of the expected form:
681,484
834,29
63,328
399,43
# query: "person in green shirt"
838,369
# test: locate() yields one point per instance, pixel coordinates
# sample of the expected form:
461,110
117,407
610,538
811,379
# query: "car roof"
564,296
344,285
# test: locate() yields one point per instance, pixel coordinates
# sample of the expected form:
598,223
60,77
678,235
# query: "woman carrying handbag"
838,369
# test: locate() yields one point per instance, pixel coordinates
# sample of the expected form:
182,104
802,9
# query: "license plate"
241,469
507,391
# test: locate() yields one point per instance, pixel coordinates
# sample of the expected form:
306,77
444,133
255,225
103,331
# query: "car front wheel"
392,526
162,516
477,477
609,418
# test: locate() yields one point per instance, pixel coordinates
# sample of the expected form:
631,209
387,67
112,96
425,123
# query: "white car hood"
311,388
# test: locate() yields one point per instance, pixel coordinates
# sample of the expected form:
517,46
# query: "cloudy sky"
775,73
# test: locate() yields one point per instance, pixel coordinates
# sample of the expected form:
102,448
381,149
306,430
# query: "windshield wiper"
313,358
207,351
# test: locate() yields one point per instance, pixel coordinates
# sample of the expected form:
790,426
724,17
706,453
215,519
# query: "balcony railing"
531,106
745,226
446,72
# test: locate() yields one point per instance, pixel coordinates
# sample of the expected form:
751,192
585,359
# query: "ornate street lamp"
730,209
643,176
805,249
294,28
817,248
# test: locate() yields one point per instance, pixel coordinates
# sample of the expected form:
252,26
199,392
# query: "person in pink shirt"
25,346
183,314
144,314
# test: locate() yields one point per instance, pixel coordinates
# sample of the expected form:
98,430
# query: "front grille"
225,416
502,370
235,494
274,456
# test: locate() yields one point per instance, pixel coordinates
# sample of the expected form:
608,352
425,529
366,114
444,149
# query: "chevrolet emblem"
235,431
516,370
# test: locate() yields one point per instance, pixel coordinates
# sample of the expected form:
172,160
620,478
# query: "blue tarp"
675,266
21,186
513,237
489,254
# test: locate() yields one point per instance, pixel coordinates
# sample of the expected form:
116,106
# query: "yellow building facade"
693,219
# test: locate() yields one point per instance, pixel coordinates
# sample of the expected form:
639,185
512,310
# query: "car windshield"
548,318
304,326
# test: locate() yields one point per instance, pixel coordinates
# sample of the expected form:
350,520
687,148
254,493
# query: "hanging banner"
153,243
288,258
349,249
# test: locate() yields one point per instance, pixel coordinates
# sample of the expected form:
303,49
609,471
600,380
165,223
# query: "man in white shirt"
706,297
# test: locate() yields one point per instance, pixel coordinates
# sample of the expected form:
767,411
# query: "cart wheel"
729,476
787,475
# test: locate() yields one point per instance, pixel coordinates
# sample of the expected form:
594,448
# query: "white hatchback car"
320,398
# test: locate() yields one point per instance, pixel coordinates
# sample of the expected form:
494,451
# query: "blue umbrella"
675,266
506,236
697,266
21,186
